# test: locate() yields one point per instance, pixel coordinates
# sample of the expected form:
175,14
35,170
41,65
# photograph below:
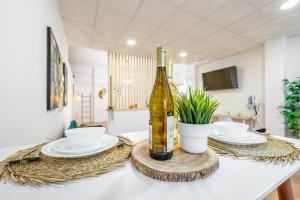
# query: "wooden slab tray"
182,167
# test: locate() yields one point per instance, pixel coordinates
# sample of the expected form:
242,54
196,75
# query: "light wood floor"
296,188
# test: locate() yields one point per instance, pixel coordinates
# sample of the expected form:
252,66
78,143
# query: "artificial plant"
195,107
291,108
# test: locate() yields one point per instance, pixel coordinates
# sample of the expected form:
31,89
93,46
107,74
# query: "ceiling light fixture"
131,42
288,4
183,54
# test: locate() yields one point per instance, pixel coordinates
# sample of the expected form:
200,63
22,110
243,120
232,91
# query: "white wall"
190,76
101,81
184,76
274,73
126,121
250,66
292,57
90,69
23,64
179,76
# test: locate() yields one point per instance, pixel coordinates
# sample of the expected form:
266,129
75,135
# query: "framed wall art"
54,71
65,71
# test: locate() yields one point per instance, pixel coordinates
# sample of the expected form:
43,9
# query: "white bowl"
231,129
84,136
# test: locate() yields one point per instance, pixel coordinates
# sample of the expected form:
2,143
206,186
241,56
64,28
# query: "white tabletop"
234,180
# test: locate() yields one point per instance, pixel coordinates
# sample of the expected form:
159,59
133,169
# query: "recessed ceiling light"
183,54
288,4
131,42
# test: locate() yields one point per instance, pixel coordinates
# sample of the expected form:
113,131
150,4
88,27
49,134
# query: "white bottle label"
170,133
150,137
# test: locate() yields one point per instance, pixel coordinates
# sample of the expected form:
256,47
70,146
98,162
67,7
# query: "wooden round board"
182,167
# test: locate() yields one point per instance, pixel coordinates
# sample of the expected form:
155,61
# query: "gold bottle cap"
161,57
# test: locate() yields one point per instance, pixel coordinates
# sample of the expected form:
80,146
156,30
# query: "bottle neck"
161,75
169,71
161,72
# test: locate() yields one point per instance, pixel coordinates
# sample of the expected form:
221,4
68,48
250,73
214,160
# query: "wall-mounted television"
225,78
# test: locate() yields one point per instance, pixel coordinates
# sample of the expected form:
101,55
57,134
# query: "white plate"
48,148
64,146
249,138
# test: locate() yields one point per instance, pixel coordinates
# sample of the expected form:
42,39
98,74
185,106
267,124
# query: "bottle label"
170,133
150,137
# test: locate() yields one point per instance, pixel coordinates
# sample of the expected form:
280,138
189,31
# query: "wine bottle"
161,107
174,92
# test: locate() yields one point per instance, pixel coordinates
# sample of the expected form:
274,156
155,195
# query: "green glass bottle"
174,92
161,107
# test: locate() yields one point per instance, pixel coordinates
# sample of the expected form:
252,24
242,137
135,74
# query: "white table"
234,180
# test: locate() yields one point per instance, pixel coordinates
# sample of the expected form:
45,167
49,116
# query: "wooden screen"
131,79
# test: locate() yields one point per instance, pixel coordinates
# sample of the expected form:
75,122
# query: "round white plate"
64,146
48,148
250,138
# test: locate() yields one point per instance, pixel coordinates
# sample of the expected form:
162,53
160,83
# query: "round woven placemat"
274,150
29,166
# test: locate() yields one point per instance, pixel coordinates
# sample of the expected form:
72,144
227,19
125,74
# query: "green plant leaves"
196,107
291,108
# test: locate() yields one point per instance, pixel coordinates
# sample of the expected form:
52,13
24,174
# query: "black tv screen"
220,79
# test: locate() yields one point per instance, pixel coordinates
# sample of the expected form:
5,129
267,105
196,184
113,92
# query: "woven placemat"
29,166
274,150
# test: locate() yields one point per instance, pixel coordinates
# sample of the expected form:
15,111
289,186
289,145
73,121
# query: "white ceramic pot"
193,137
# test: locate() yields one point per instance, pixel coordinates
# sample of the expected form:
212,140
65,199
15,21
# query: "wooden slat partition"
131,80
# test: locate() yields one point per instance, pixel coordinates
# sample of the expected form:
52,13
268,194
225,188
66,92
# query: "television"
225,78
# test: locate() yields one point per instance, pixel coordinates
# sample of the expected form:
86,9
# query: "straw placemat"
274,150
29,166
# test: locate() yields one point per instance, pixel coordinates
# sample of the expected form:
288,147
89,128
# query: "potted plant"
195,110
291,108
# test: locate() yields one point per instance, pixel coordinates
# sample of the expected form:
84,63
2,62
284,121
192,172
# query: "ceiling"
206,29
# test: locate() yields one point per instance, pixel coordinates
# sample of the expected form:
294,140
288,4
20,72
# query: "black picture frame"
53,65
65,71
